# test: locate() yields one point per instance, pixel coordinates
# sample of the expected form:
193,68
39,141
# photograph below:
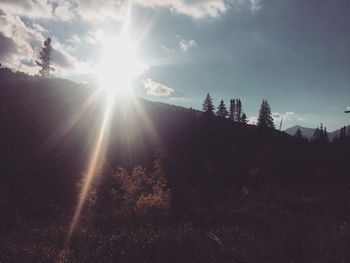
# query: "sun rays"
118,68
96,156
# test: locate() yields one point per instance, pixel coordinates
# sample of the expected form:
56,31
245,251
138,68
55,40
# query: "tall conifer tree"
232,110
238,110
207,106
244,118
265,118
45,59
222,111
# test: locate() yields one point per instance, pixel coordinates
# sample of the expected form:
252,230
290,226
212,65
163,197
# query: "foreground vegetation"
274,225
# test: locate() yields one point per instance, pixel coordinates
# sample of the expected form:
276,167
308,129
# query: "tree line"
236,113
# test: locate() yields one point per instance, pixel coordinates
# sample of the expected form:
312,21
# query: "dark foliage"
265,119
222,111
208,107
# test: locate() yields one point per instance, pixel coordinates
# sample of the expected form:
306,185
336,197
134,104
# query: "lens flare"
118,68
93,166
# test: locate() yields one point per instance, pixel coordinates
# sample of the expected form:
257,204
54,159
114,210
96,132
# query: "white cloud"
157,89
186,45
39,28
89,10
101,9
94,36
75,39
65,63
27,8
253,120
348,108
24,39
64,10
288,118
115,9
193,8
182,45
255,4
199,8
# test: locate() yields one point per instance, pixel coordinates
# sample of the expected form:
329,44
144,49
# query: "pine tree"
321,134
299,134
325,137
45,59
244,118
208,107
321,130
265,117
238,110
232,110
222,111
341,132
317,134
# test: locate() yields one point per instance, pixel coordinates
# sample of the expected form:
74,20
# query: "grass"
273,226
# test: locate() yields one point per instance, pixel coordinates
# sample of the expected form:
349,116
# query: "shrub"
140,192
144,192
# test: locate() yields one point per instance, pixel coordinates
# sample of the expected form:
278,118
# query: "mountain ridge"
308,132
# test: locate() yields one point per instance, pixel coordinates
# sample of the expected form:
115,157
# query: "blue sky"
294,53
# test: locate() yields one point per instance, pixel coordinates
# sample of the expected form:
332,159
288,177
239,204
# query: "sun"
119,66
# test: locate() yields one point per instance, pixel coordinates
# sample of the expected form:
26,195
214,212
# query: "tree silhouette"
325,135
232,110
265,117
238,110
342,132
320,135
299,134
208,107
222,111
45,59
244,118
317,134
236,113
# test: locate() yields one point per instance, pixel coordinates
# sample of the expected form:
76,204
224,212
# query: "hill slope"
49,129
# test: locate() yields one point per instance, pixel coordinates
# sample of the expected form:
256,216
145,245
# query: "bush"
141,192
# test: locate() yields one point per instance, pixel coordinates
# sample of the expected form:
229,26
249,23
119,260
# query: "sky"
294,53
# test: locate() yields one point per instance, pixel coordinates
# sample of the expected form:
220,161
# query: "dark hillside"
49,127
211,188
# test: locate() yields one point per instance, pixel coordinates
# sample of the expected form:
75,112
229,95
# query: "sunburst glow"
119,65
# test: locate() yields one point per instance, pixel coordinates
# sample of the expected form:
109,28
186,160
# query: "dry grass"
275,227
